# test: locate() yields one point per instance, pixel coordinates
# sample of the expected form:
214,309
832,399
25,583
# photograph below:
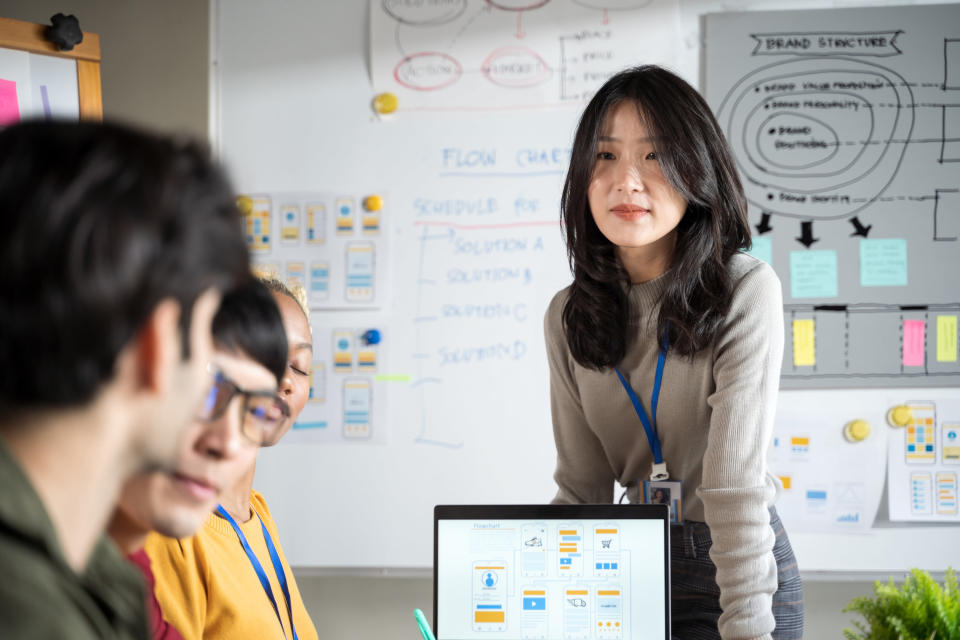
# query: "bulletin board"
470,167
38,80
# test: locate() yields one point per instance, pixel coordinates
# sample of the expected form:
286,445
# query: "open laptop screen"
571,572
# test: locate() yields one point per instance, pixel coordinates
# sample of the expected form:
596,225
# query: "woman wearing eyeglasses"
241,409
231,580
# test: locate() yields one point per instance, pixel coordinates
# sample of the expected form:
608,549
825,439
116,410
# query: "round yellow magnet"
373,203
385,103
856,430
245,204
899,416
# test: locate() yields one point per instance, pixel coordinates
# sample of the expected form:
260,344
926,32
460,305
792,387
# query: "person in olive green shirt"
115,249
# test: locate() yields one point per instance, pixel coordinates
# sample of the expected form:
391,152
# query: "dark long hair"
696,161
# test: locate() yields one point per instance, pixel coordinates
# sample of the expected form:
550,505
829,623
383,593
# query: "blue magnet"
371,336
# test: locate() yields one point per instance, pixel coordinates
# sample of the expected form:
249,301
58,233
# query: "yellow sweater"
207,587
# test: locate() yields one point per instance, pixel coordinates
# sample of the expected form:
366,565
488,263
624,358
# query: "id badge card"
668,492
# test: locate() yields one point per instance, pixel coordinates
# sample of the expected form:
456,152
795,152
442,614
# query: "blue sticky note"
813,274
883,262
762,249
309,425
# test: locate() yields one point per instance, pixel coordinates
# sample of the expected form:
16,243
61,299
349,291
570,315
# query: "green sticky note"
392,377
813,274
762,249
883,262
946,338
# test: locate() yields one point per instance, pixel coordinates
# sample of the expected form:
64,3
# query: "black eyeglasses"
263,413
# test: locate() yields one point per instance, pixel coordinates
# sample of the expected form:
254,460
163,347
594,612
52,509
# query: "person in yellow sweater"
231,579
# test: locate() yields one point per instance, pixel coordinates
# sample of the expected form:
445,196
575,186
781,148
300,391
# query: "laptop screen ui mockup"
565,572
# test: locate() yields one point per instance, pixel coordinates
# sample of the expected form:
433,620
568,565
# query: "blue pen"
423,624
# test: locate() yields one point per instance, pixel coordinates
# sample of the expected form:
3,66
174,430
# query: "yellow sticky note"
946,338
804,343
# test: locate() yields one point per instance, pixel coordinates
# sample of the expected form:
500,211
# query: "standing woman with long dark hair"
665,352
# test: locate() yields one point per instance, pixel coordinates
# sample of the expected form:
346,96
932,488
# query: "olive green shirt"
41,596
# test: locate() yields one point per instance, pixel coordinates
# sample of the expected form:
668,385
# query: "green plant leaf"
919,609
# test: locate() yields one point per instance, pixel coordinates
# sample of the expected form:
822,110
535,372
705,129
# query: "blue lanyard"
650,423
277,566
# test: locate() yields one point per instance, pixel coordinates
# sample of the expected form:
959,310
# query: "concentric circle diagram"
818,139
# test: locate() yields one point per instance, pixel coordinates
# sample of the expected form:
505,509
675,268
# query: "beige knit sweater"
714,421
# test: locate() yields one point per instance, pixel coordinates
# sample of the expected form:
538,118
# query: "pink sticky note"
9,108
913,352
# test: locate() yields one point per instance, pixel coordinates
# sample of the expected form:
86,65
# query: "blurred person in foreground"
116,250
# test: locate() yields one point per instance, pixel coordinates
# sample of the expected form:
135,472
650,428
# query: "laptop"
551,572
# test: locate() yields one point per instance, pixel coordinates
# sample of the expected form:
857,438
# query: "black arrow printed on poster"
806,234
860,229
764,225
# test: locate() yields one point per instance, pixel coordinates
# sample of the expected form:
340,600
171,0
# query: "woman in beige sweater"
665,352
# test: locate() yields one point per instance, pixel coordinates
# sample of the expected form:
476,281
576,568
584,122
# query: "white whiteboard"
293,89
